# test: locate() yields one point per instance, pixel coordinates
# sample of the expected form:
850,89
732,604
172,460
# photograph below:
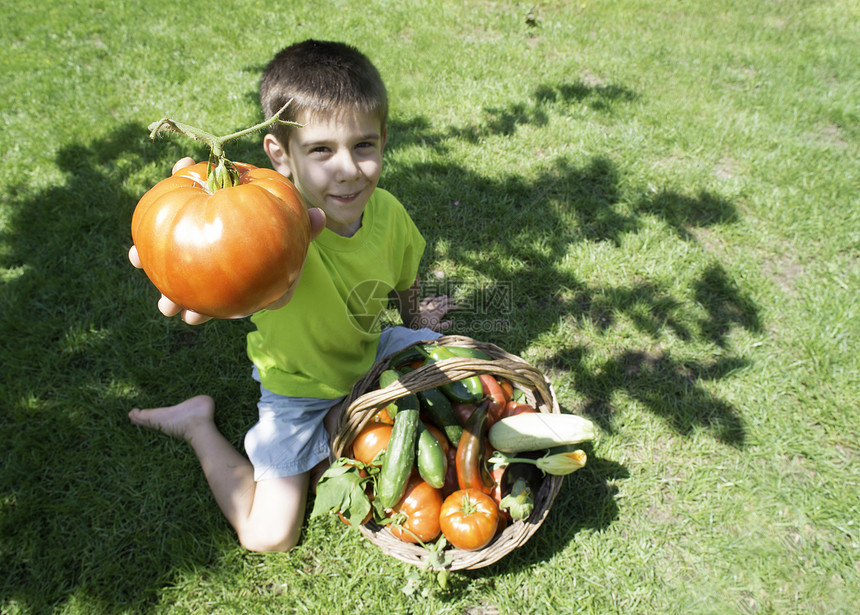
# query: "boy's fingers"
134,257
317,218
441,303
182,163
167,307
193,318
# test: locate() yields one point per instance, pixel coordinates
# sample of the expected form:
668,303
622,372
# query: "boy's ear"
278,155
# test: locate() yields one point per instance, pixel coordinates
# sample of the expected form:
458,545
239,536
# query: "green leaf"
341,489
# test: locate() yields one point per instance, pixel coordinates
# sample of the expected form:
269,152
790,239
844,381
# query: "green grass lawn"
654,202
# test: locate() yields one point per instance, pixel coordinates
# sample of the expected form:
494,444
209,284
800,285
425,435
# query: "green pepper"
469,353
467,390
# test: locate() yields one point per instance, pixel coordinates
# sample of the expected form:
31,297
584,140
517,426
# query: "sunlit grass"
655,203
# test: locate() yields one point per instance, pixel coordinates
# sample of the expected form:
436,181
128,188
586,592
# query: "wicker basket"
365,401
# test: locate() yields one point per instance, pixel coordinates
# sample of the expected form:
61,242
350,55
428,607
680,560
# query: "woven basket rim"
365,400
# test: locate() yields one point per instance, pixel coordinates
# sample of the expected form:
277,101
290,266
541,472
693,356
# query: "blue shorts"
290,437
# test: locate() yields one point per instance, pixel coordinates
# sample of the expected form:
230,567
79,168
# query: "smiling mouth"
345,197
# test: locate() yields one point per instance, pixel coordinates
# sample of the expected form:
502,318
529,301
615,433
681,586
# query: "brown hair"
322,78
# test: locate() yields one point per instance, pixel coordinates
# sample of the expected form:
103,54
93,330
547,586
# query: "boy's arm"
420,313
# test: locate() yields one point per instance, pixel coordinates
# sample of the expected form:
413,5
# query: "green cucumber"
430,457
441,413
467,390
386,378
469,353
407,355
400,453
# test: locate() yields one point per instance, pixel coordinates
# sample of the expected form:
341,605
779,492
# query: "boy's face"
335,163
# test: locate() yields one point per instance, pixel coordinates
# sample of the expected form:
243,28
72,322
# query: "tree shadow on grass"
586,501
92,509
515,233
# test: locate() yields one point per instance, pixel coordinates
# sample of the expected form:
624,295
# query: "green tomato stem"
221,174
501,460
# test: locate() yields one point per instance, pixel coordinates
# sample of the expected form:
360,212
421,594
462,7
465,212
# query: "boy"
311,346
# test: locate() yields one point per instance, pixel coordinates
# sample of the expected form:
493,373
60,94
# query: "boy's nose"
347,167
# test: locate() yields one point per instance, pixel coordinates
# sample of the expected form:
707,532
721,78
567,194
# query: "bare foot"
179,420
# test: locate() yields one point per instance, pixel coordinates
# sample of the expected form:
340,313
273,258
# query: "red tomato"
469,519
493,391
224,254
422,505
369,441
514,407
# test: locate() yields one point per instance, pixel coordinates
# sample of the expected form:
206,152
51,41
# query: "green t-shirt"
326,337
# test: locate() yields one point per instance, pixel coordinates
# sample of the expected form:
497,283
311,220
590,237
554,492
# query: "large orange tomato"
469,519
421,504
227,253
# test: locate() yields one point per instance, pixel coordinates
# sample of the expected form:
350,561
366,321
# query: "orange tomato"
370,441
227,253
422,505
469,519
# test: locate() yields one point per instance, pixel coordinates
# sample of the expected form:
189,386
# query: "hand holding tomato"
170,308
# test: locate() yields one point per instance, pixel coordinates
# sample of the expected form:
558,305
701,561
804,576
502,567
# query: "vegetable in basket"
370,442
472,470
469,353
558,464
469,519
386,378
400,456
540,430
495,396
430,458
519,484
464,390
441,413
416,516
